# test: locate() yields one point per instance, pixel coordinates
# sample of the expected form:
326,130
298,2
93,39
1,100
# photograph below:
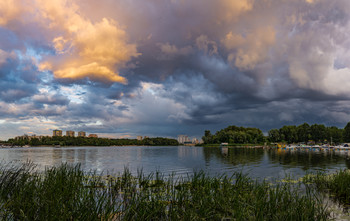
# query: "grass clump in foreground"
337,185
67,193
57,194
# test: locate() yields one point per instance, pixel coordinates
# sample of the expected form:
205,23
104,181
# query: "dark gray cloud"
18,78
51,99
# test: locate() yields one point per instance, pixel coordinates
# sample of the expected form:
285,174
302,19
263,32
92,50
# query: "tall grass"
67,193
337,185
58,194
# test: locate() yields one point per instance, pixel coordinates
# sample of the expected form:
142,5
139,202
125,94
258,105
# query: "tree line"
90,141
317,133
234,135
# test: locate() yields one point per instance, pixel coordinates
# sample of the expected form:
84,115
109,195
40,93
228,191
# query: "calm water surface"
182,160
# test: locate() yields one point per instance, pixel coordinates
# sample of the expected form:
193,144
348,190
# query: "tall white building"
183,138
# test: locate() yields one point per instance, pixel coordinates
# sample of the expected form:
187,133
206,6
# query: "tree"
240,137
334,135
346,133
208,137
318,132
34,142
274,135
289,133
303,132
233,134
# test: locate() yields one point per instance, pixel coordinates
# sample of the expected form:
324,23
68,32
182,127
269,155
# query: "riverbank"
59,146
89,141
69,193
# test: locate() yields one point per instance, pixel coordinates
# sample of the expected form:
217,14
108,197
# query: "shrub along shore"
303,133
90,141
67,193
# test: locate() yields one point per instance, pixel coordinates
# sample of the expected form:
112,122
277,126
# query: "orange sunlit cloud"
9,10
86,49
252,49
97,50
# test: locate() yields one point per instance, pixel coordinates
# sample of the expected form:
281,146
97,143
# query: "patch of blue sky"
75,93
339,64
46,77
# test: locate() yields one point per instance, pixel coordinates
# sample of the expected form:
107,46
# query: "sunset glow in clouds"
163,68
82,48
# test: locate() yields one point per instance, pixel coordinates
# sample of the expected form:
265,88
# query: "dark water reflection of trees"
307,159
302,159
235,156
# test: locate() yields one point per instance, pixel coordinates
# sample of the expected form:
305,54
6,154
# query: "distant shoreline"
89,146
234,145
58,141
198,145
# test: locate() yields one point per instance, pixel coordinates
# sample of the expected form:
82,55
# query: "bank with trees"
235,135
303,133
91,141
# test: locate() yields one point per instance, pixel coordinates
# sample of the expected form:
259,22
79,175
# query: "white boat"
342,147
291,147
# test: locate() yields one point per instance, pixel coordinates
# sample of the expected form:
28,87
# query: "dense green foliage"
91,141
317,133
234,135
66,193
346,133
305,133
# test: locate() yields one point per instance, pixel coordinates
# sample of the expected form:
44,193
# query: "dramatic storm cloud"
163,68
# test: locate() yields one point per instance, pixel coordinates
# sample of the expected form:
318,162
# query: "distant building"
139,137
183,139
35,136
23,137
27,137
57,133
81,134
93,135
70,133
195,141
145,137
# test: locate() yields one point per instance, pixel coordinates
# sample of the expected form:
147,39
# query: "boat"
342,147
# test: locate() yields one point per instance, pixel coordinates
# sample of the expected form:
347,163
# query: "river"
183,160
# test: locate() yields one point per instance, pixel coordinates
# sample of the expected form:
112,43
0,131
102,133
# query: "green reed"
67,193
337,185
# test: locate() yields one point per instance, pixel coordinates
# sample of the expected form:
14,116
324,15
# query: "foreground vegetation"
336,185
90,141
67,193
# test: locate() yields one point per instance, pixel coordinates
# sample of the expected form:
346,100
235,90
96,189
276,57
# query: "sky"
122,68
